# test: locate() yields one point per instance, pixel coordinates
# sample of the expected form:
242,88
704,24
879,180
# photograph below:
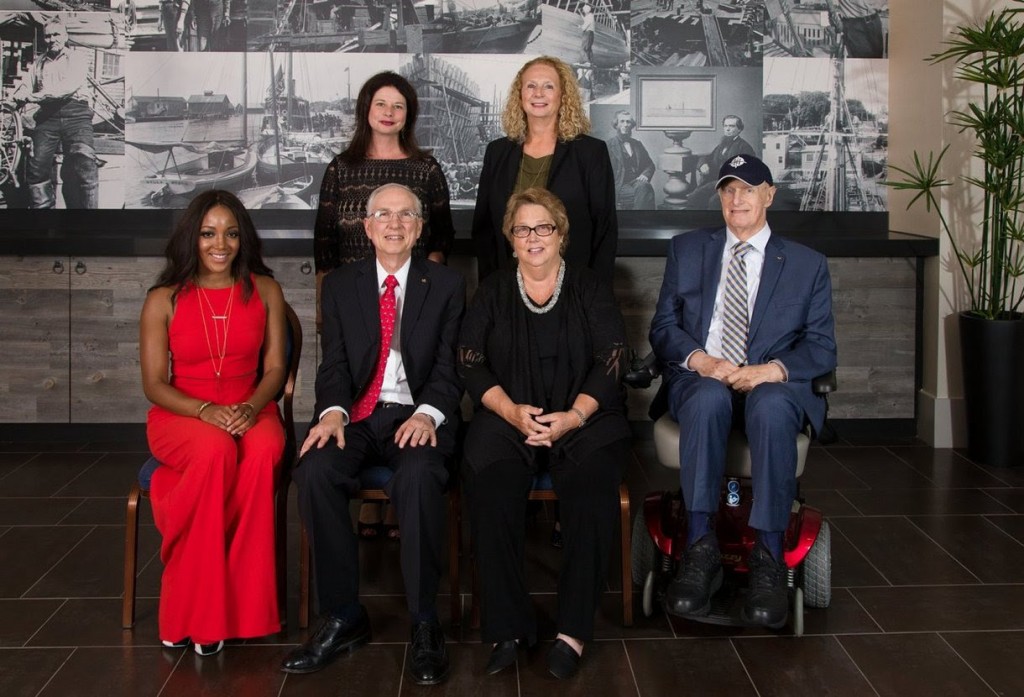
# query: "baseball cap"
747,168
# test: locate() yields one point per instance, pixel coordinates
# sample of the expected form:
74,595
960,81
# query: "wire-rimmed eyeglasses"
383,215
542,230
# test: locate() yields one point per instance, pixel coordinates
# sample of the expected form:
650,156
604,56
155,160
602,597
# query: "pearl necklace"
550,304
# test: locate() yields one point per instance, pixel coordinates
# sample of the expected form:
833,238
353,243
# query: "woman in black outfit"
542,352
546,145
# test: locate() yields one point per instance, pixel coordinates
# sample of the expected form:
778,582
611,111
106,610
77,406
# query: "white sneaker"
209,649
180,644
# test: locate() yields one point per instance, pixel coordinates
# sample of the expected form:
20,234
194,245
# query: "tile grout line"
632,671
54,674
946,551
966,663
855,664
746,671
45,622
56,563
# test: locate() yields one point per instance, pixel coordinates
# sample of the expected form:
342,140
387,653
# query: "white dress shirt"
755,264
396,385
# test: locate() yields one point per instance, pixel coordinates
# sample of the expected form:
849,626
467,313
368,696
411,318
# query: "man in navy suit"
394,405
786,338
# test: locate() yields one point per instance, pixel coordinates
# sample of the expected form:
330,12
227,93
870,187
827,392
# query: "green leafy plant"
989,53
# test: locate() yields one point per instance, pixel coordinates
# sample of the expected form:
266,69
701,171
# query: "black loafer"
563,661
505,653
428,657
331,638
699,577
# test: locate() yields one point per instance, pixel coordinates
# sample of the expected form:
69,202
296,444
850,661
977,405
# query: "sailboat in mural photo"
210,148
295,142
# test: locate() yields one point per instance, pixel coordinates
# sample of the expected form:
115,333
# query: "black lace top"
339,237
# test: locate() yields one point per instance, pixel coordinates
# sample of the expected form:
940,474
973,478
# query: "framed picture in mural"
683,103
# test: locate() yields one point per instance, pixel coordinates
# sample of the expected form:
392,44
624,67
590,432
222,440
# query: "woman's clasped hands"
236,419
539,428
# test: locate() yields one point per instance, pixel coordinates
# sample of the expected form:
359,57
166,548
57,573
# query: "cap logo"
737,161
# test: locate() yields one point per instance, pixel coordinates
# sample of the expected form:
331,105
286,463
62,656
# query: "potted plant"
989,53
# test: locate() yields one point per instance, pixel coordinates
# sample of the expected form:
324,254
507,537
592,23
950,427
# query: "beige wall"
923,95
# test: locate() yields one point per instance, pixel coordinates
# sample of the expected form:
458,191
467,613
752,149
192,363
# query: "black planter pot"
993,369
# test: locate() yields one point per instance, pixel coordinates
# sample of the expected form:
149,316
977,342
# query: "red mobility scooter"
659,528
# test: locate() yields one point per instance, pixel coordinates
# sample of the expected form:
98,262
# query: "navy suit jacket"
791,321
433,303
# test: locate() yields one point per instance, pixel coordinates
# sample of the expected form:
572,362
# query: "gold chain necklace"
543,167
221,343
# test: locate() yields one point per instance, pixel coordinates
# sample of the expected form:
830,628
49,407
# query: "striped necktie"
735,320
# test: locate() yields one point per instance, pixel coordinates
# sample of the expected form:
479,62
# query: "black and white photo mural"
257,96
62,113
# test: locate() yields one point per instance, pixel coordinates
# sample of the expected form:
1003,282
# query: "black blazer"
581,176
433,303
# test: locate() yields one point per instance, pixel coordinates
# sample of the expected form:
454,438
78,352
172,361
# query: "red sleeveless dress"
213,498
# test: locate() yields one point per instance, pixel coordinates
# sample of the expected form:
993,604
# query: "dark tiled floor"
928,557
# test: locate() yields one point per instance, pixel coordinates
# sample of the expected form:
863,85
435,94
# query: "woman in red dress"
212,348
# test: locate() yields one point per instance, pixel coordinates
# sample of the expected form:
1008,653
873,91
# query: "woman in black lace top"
383,151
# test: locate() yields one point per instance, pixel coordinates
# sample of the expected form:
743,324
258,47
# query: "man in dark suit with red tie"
386,394
742,325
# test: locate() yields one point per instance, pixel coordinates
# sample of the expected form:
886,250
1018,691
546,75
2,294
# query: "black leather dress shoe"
331,638
428,657
563,661
699,577
505,653
767,601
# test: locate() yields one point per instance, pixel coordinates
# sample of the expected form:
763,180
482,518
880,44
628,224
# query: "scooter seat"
737,458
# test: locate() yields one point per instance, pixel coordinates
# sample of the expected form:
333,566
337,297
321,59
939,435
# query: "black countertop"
290,233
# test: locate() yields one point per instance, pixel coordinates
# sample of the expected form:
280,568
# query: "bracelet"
199,411
252,409
580,416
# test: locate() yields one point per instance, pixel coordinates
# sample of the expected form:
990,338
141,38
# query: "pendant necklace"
220,343
543,167
550,304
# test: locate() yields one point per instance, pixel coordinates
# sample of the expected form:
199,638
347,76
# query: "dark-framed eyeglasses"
383,215
542,230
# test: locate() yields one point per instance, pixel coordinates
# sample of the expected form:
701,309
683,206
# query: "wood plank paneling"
35,339
873,301
299,285
106,298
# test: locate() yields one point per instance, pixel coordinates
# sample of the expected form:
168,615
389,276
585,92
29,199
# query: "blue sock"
698,525
772,541
424,616
350,612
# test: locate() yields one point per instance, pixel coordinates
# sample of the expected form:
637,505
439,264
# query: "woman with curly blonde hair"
547,145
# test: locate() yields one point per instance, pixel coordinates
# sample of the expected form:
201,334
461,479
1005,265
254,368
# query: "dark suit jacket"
581,176
432,307
791,322
723,152
617,155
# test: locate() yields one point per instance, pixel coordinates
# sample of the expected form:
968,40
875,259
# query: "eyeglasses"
384,215
543,230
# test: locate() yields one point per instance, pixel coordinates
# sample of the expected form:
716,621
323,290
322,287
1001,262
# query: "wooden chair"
544,490
372,482
140,488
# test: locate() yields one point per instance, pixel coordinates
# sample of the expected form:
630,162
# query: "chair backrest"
293,353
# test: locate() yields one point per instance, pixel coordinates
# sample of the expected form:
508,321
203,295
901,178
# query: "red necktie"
365,405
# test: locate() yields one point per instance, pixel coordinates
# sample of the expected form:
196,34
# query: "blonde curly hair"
572,117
